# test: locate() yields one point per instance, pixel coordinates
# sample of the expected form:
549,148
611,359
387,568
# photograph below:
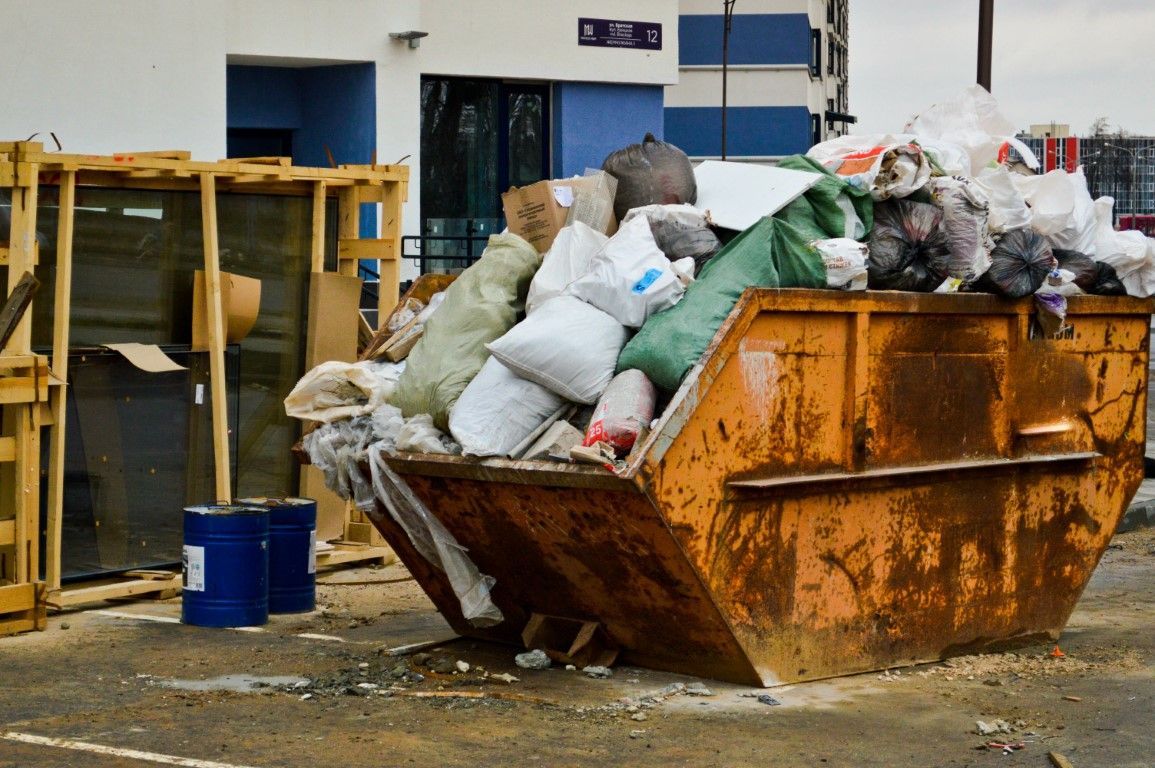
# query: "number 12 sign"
611,33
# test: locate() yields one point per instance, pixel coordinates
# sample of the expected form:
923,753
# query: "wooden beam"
71,596
61,322
22,249
162,154
7,450
348,227
19,299
389,268
317,248
356,249
283,162
17,597
218,391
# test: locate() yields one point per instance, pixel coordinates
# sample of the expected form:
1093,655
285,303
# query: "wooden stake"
389,268
14,308
62,319
219,392
348,225
318,241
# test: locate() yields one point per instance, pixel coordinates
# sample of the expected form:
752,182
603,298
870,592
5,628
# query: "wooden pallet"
143,584
23,608
349,552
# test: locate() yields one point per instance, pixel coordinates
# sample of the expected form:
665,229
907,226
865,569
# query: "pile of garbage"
576,325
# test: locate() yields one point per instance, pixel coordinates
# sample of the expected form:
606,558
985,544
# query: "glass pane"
459,143
125,487
526,139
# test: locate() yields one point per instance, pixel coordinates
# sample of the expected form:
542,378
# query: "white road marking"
100,749
172,620
311,636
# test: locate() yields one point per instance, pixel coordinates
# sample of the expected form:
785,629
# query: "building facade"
1122,167
786,78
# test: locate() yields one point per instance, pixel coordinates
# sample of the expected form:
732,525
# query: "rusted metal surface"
844,483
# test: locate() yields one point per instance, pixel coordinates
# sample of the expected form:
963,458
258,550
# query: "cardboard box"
240,305
537,212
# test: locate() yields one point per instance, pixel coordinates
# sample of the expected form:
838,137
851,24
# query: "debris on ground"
989,729
598,672
535,659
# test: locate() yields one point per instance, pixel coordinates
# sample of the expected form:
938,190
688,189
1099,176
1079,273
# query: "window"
816,129
815,52
830,56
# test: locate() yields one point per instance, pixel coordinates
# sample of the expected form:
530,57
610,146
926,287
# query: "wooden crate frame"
24,166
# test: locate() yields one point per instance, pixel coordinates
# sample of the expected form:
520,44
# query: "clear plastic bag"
435,543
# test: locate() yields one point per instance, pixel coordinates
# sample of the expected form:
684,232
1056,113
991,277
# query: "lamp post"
727,24
1132,200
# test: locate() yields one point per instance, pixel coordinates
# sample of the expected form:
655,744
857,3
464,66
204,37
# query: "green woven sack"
480,306
771,253
831,208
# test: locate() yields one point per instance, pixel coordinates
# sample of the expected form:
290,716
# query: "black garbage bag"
678,241
1019,264
1085,269
1107,282
908,249
653,172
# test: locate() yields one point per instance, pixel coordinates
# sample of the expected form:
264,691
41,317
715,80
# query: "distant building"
1122,167
786,78
1049,130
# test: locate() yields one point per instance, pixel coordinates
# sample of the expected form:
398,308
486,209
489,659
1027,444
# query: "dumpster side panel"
869,483
590,554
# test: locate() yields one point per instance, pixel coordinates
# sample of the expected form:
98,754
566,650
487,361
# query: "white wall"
135,75
123,75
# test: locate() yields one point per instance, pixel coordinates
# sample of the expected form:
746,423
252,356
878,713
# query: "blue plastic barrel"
226,566
292,559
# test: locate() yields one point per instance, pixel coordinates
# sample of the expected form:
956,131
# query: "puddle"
234,683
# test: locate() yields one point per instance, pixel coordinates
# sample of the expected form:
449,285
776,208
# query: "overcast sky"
1062,61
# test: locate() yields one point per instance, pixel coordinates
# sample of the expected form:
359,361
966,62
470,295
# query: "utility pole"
727,24
986,34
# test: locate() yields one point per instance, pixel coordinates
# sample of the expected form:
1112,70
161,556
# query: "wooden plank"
317,243
219,394
22,253
348,228
17,597
349,552
61,326
389,268
356,249
7,532
283,162
163,154
23,389
149,585
7,449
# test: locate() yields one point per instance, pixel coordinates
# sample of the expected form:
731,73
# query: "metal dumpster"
845,482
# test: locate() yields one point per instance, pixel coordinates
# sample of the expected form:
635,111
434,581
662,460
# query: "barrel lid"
227,509
268,501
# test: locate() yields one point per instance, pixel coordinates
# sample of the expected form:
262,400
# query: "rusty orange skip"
844,482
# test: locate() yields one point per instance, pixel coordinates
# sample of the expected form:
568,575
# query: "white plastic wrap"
435,543
418,435
336,390
1008,209
499,410
336,448
630,278
1141,282
567,259
1080,232
1125,251
1051,199
972,121
623,411
845,262
567,346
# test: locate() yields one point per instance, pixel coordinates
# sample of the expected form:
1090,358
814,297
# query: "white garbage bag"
498,410
1125,251
567,259
567,346
881,164
1141,282
1051,199
1081,230
845,262
630,278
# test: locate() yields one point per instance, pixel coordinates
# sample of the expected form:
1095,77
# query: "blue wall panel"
755,38
592,120
263,97
750,131
338,111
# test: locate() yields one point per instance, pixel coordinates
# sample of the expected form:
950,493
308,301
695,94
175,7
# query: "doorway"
478,138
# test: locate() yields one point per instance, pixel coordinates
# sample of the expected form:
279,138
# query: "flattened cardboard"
146,357
240,306
331,334
737,195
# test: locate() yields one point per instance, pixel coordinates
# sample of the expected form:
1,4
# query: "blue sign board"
610,33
